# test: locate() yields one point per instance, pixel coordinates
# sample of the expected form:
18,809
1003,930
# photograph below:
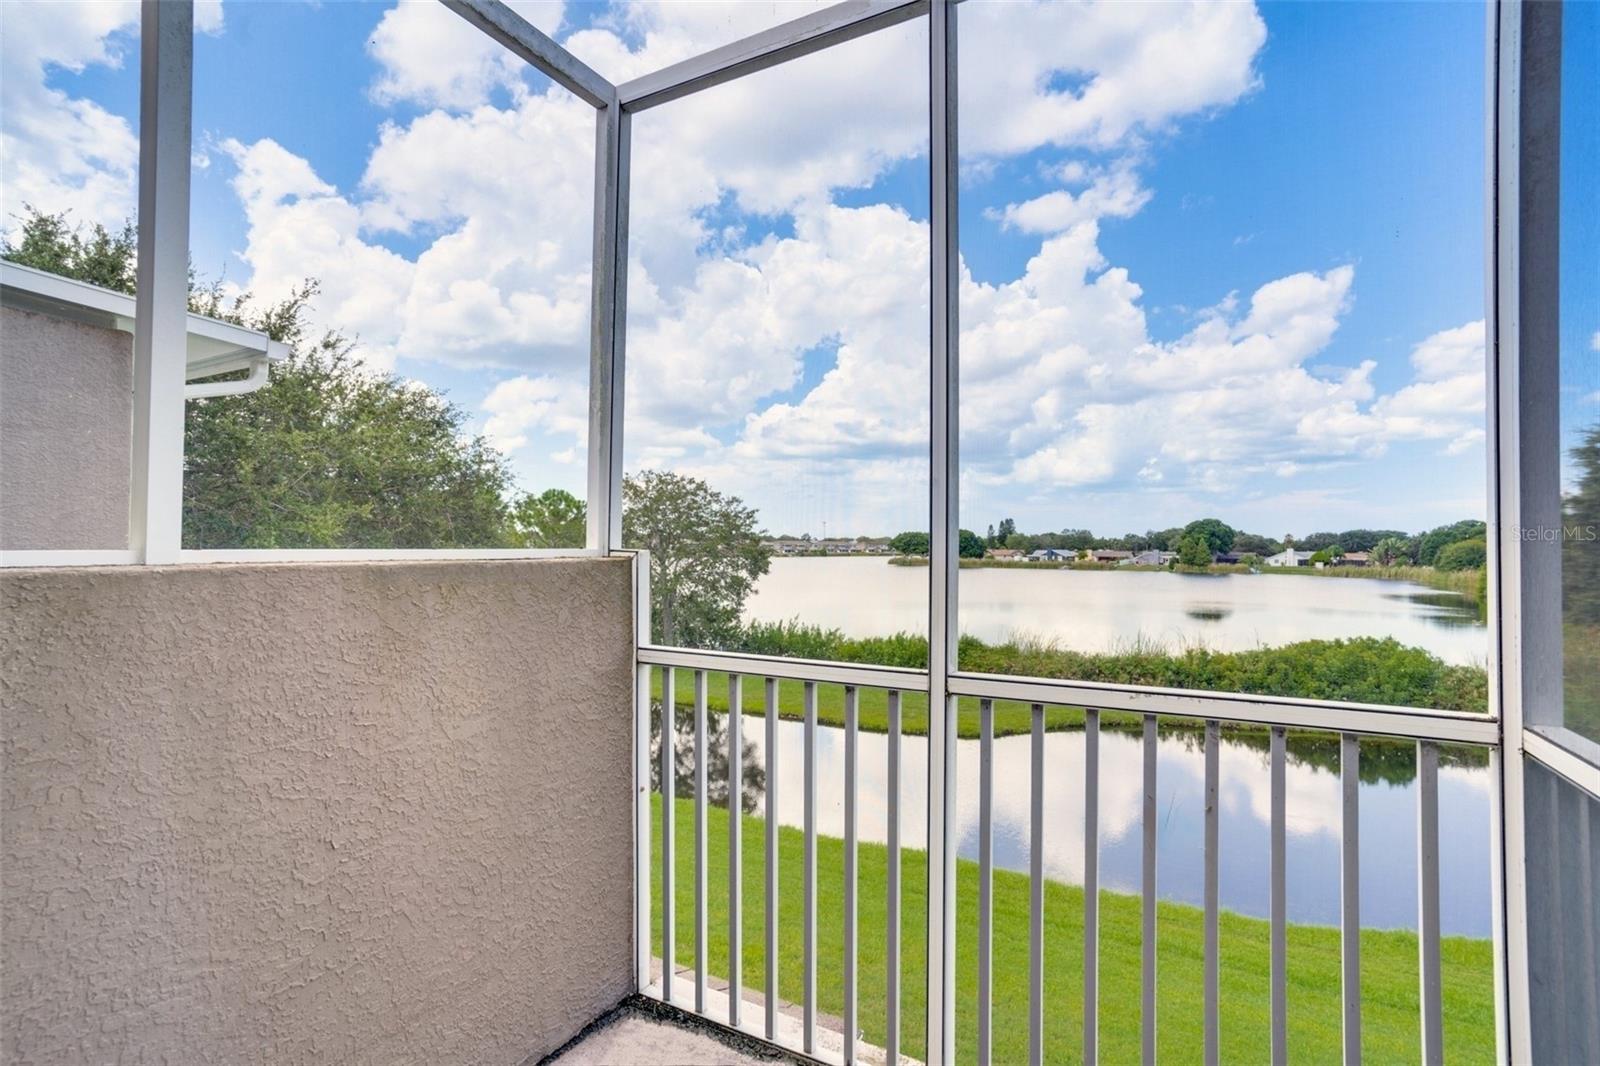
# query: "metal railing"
695,993
1427,730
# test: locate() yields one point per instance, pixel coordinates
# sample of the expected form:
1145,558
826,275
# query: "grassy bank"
1389,961
1466,583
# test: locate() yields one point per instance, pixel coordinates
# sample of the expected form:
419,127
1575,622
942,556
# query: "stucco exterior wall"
66,411
325,813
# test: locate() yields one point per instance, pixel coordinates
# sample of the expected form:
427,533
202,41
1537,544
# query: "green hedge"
1358,670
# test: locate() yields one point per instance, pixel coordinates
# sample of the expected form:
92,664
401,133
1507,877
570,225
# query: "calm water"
1388,820
1099,611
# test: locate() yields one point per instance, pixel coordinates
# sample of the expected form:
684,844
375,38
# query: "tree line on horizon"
1453,546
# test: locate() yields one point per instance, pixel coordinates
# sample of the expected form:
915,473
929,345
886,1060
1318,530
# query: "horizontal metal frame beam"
536,47
1557,749
791,40
375,555
70,557
1450,727
884,677
1453,727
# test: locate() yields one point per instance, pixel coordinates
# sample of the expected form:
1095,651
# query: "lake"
1388,819
1104,610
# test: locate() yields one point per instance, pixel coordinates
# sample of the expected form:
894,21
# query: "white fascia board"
214,347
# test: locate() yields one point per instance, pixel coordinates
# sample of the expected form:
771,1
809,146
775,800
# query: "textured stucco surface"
334,813
66,410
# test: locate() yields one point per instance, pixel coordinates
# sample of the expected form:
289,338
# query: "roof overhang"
214,347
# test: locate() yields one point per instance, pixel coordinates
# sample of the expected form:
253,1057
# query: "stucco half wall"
332,812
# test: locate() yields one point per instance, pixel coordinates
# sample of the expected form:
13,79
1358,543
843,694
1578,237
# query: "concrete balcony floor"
640,1032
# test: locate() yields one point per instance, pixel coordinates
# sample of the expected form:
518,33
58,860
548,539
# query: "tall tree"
705,555
910,542
329,454
1434,540
1194,550
553,519
1392,551
1217,534
1580,555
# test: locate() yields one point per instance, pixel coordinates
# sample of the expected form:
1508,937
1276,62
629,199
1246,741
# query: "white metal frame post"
160,329
608,334
1505,588
943,573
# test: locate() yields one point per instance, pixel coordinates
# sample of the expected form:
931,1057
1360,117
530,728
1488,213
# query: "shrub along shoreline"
1358,670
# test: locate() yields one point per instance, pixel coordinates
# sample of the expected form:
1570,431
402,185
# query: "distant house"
1004,555
1149,558
1356,559
1289,557
1050,555
1229,558
1109,555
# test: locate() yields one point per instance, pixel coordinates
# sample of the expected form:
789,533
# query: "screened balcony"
644,580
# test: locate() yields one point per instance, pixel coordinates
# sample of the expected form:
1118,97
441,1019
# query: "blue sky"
1222,260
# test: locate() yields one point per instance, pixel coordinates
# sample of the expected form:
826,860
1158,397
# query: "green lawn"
1389,961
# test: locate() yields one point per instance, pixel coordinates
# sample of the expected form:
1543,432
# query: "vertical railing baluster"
1279,898
1091,886
669,804
1036,896
852,716
700,753
985,881
643,767
1212,964
809,961
735,846
1148,892
1350,894
770,709
892,947
1428,901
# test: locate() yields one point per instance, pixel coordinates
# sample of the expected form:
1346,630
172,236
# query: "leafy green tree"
52,244
1256,544
1217,534
1392,551
1462,555
328,454
332,455
971,545
1580,556
1008,526
911,543
705,555
1331,554
1435,539
1164,539
1194,550
553,519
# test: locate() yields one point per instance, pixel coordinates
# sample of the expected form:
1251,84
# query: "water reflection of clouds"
1103,611
1388,820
